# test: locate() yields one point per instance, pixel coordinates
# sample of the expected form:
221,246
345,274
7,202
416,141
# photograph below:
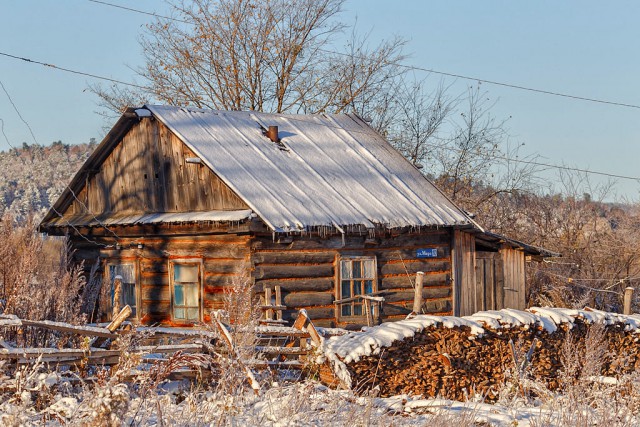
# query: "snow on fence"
454,357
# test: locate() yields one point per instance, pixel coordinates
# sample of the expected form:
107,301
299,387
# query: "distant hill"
32,177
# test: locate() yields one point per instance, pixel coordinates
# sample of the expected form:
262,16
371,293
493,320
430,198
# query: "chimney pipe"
272,133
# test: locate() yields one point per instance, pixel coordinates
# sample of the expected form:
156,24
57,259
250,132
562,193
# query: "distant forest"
32,177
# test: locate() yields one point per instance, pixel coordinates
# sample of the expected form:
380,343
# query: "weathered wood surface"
463,259
147,172
514,279
305,269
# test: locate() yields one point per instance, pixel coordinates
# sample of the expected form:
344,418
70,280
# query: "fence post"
417,298
628,294
117,292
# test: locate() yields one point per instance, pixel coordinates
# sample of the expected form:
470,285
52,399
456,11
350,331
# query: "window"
185,285
357,277
128,291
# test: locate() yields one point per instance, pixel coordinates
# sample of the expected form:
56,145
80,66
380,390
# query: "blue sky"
584,48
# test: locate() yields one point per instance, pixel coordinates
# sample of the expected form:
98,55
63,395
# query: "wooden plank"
267,300
314,313
427,294
156,292
384,256
430,280
297,285
288,271
90,331
306,299
225,266
413,267
278,295
294,257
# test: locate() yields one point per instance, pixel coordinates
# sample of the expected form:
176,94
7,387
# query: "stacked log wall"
306,271
225,260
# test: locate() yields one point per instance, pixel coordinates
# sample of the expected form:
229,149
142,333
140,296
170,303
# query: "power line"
138,11
424,69
534,163
69,70
18,112
67,187
514,86
547,165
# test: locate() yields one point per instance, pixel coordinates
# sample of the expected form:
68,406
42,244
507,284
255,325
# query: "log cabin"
186,205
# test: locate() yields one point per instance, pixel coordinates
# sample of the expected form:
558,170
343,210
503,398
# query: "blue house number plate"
427,253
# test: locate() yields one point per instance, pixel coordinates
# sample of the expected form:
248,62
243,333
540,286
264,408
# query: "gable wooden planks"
147,172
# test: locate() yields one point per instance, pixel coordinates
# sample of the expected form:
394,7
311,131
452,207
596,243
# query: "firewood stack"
455,361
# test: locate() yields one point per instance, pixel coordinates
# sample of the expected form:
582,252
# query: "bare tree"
418,118
265,55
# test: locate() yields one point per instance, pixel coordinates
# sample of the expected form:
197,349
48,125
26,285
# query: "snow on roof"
326,170
341,350
89,220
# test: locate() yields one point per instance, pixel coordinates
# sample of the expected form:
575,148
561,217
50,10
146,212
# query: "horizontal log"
86,254
397,282
424,238
156,293
223,280
294,257
226,266
321,284
306,299
196,251
324,323
414,267
404,308
154,308
297,243
65,327
314,313
427,293
395,309
159,266
437,306
214,304
166,230
297,271
154,279
409,254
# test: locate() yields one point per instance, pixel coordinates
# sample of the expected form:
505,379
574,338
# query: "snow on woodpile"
422,352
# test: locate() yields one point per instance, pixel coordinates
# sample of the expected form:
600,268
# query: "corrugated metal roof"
328,170
88,220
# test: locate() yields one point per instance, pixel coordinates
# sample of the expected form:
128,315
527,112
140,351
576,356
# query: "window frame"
186,261
137,287
375,313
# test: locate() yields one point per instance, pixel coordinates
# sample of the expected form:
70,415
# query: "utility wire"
130,9
548,165
69,70
424,69
534,163
18,112
67,187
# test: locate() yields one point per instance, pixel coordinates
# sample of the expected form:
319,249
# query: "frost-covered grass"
37,395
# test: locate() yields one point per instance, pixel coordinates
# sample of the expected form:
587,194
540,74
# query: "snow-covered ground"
44,399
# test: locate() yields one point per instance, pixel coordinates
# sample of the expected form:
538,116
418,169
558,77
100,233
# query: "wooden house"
186,204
